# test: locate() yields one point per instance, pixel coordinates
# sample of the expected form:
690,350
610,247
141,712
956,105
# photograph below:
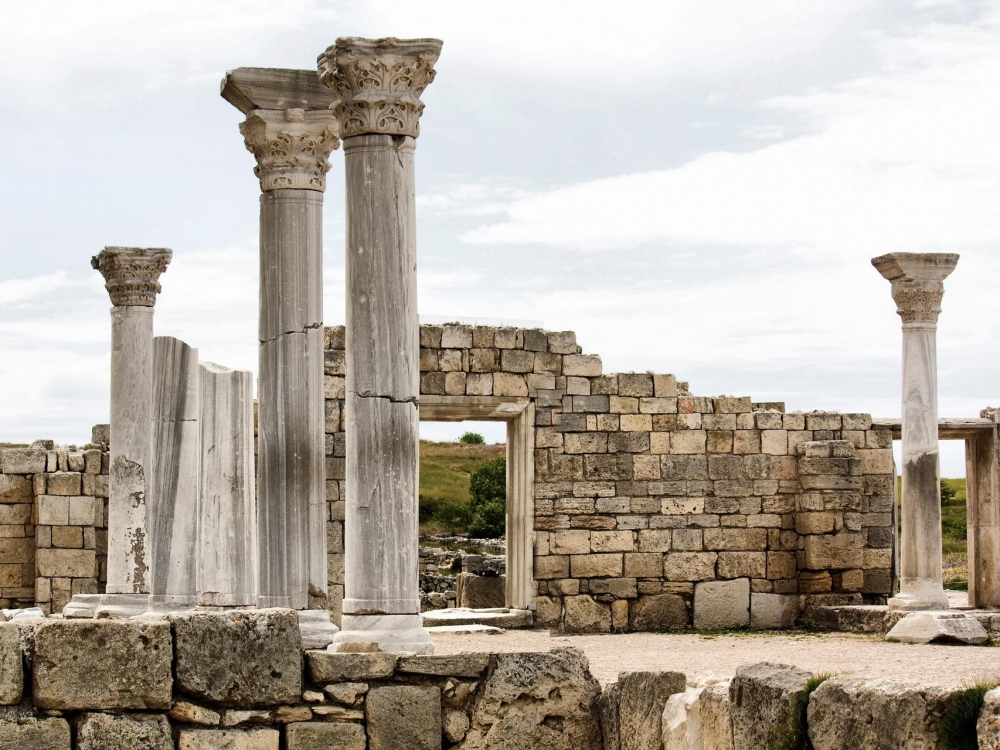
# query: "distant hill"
445,469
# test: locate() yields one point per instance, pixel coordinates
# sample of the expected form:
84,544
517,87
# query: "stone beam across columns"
132,280
291,132
378,84
918,287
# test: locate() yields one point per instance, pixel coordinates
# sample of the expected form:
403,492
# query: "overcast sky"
692,187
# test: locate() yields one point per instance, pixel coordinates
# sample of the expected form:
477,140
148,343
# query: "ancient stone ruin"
211,573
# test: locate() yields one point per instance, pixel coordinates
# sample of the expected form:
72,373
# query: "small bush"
472,438
489,521
793,733
957,729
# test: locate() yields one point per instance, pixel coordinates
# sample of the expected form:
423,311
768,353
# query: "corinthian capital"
378,83
917,283
131,274
291,147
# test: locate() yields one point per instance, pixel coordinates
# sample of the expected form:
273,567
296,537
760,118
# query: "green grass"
957,729
445,469
793,733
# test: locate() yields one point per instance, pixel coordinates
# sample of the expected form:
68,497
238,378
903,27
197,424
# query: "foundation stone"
722,604
34,734
11,665
404,716
125,732
760,698
316,735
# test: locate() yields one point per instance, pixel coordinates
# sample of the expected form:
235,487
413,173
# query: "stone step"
499,618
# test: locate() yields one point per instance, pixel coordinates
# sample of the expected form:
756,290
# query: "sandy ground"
703,655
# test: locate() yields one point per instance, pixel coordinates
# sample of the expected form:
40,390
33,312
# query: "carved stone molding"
291,147
131,274
378,83
918,301
917,283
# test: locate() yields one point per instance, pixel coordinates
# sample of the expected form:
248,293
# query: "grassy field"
445,469
954,544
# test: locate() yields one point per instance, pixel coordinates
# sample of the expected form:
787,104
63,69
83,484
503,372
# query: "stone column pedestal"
917,287
131,276
378,84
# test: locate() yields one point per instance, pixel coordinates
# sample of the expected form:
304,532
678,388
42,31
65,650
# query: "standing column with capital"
378,84
131,275
917,287
291,132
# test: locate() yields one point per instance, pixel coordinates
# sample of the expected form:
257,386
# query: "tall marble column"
131,276
917,287
378,84
290,131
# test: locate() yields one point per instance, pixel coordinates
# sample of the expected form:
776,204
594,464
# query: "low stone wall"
239,680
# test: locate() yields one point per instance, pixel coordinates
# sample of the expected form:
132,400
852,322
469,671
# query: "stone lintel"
916,266
131,274
274,88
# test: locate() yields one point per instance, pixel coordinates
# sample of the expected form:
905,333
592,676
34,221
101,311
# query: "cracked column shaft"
918,287
382,600
131,276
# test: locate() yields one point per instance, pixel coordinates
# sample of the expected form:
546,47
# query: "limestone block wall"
53,522
652,504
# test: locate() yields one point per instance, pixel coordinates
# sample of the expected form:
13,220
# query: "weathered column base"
171,603
938,627
916,600
119,606
316,628
82,606
392,634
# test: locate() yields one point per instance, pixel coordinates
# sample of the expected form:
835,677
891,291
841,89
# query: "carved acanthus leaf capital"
918,302
131,274
291,147
378,83
917,283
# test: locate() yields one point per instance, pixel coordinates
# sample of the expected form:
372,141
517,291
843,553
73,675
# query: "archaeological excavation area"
232,560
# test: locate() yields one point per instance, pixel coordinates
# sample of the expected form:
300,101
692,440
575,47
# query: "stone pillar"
227,515
982,479
377,83
917,287
290,131
131,276
173,492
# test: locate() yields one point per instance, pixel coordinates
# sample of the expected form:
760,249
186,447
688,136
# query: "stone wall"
654,508
53,522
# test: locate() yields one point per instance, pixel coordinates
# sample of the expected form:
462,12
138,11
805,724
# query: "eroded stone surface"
988,728
722,604
124,664
404,716
321,735
760,698
458,665
11,665
34,734
641,702
228,739
325,666
716,718
239,658
544,701
124,732
943,627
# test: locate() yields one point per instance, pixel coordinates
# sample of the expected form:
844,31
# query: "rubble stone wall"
654,508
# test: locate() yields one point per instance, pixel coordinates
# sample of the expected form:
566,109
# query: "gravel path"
704,655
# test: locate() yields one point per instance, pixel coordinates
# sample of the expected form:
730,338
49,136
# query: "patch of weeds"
793,733
957,729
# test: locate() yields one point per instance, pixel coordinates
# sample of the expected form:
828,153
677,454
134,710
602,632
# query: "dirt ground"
720,655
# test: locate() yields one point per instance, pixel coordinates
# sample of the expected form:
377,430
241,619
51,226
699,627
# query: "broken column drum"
918,287
131,276
378,84
290,131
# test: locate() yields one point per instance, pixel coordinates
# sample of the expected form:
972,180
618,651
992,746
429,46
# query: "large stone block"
642,698
102,664
124,732
404,716
22,461
584,615
15,489
715,714
884,714
34,734
722,604
11,665
317,735
239,658
481,592
329,667
228,739
535,700
988,728
608,715
834,551
658,612
771,611
761,697
457,665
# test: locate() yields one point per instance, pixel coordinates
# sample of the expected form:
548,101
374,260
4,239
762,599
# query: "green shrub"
793,733
472,438
957,729
947,492
488,482
489,520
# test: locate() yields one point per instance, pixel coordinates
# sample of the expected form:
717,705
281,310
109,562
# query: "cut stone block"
939,627
325,666
658,612
404,716
128,732
773,611
716,718
239,658
459,665
480,592
11,665
34,734
321,735
608,714
103,664
858,713
988,728
760,698
584,615
537,700
228,739
642,698
722,604
682,721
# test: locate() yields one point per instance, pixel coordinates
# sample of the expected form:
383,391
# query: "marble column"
291,132
131,275
917,287
378,84
227,514
173,492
